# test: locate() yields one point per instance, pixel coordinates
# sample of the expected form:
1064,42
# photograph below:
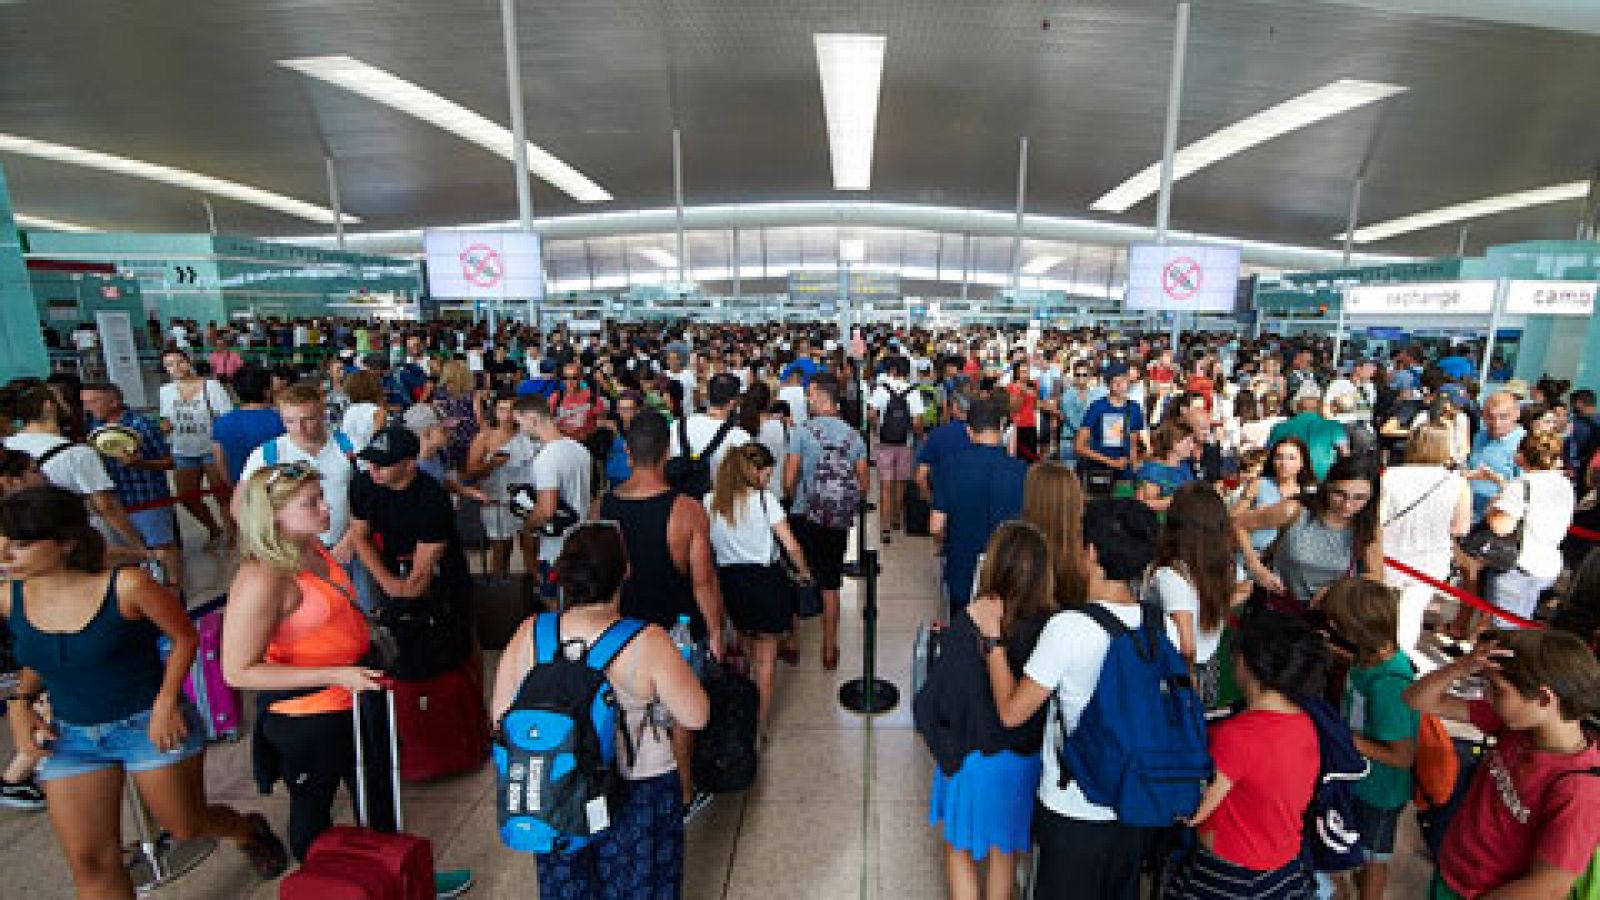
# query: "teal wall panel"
21,343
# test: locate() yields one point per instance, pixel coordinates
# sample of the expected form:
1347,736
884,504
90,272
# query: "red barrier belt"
1584,533
1472,600
173,500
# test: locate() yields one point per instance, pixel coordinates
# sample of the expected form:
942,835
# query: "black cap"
391,445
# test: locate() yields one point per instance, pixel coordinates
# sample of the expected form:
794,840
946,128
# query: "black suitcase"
916,512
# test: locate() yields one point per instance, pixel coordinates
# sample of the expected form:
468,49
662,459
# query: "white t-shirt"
776,440
750,540
685,377
77,469
360,423
336,468
702,428
563,466
1174,594
1067,662
192,418
1549,515
795,396
1420,537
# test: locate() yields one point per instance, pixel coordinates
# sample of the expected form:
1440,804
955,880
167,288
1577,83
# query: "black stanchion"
869,695
857,568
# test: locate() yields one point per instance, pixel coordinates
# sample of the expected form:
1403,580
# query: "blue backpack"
1331,836
1140,745
556,778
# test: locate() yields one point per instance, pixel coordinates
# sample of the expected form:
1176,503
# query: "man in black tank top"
671,569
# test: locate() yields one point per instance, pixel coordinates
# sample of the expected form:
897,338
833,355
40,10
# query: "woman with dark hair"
1327,535
1288,474
1192,578
190,404
641,854
1052,500
1267,759
89,637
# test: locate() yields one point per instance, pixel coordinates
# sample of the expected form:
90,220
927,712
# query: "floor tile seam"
733,852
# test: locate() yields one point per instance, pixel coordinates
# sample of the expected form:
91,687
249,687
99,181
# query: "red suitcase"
444,728
351,863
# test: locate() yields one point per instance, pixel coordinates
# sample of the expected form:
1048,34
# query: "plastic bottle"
683,639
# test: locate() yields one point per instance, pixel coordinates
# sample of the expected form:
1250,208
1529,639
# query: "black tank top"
655,590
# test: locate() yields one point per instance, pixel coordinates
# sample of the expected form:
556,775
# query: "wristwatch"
988,645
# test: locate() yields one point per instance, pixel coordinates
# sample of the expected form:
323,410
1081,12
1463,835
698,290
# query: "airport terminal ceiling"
1492,104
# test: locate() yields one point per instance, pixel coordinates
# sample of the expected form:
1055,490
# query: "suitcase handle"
361,759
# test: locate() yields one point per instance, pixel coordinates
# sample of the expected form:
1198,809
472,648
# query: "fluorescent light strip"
418,102
658,256
180,178
851,67
1291,115
852,250
24,220
1041,264
1475,209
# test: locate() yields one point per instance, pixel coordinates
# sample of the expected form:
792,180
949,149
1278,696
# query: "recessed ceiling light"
26,221
852,250
851,66
1290,115
1475,209
658,256
192,181
418,102
1041,264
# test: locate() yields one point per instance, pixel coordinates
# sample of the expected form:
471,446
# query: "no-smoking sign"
481,265
1181,278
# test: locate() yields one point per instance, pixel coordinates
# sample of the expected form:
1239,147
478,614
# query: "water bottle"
683,639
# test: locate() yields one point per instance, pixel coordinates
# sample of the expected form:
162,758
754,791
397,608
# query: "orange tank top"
326,630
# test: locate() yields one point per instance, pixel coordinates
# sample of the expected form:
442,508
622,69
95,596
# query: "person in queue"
73,467
1541,500
252,423
1053,502
189,406
1109,439
1494,451
90,637
1423,505
403,522
307,439
747,526
19,788
982,488
502,454
823,542
562,473
1287,475
1328,535
140,476
295,635
1192,579
673,569
641,853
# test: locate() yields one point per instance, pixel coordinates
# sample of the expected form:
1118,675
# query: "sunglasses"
295,471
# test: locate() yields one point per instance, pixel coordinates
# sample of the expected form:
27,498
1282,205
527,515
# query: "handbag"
1498,552
805,594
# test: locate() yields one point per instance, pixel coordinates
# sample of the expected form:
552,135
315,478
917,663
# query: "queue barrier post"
869,695
155,859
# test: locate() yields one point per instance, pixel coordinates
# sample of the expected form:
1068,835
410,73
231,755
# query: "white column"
1016,236
335,201
1169,141
677,199
519,138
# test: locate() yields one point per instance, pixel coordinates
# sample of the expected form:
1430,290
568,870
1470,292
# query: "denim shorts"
125,743
156,526
193,462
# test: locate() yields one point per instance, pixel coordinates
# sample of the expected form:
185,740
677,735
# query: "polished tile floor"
839,809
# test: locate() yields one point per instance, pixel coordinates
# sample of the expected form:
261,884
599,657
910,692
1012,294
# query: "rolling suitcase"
217,701
356,863
443,726
917,512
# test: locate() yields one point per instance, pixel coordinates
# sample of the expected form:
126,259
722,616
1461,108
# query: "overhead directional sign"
1450,297
1201,278
490,265
1551,298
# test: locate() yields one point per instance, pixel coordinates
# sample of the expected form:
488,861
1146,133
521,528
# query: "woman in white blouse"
1541,500
747,525
189,404
1424,505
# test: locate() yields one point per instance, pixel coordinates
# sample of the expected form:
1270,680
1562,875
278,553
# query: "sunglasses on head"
295,471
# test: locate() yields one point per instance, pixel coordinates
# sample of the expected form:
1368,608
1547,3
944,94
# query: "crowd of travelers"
1200,623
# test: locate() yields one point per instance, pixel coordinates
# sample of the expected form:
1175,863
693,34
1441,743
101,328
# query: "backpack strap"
716,440
1105,618
346,446
684,448
269,452
618,635
52,453
546,638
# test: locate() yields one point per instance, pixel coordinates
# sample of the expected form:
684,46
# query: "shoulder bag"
1498,552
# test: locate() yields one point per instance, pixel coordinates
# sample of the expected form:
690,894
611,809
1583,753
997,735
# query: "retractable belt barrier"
1474,600
173,500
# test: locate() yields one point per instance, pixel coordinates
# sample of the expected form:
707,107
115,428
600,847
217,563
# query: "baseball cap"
421,417
1116,369
391,445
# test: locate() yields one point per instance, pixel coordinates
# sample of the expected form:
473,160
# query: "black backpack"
896,426
725,750
690,472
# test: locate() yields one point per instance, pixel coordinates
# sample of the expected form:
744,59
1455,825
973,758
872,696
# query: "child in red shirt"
1267,761
1531,819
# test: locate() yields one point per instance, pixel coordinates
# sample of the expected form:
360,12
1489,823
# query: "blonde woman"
1422,506
294,635
747,524
457,401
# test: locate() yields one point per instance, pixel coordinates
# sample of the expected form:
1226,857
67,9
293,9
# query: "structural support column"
335,201
1589,225
1016,236
1169,140
677,199
519,142
1488,343
1350,217
211,214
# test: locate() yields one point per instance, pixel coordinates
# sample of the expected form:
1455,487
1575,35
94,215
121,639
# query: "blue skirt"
988,804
